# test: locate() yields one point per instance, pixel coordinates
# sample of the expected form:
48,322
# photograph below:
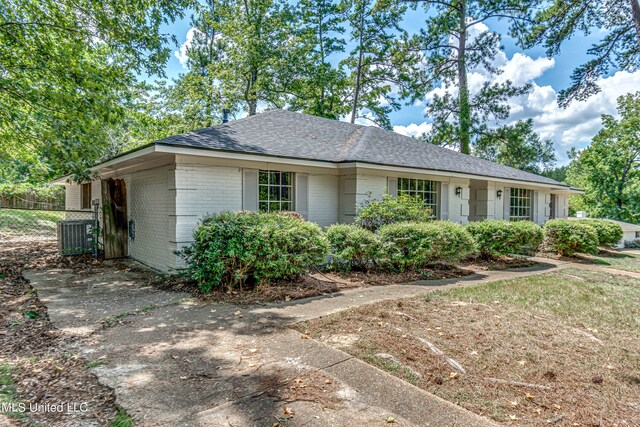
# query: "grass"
8,395
21,222
574,331
122,419
619,260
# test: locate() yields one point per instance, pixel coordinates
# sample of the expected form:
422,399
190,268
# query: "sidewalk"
175,361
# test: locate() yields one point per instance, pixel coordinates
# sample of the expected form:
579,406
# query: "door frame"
115,235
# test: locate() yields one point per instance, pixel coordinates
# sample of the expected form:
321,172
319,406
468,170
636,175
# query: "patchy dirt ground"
34,364
555,349
325,282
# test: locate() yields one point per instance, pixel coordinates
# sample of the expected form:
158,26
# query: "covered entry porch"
501,200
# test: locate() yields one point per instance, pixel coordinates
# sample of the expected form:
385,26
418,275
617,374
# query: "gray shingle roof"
288,134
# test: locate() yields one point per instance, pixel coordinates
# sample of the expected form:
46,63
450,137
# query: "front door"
114,214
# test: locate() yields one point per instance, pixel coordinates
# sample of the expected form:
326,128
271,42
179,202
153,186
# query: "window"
520,204
85,196
275,191
426,190
637,234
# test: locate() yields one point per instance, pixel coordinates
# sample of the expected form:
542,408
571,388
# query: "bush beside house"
568,237
373,214
500,238
413,245
353,247
231,249
609,233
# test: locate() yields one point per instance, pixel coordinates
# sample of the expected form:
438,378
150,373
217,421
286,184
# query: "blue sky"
571,127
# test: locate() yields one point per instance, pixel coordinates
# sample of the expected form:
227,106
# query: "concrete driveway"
175,361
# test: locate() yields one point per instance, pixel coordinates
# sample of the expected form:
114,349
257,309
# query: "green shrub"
353,247
567,237
412,245
373,214
495,238
234,248
609,233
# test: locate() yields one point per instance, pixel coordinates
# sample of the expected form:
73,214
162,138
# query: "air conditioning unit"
75,237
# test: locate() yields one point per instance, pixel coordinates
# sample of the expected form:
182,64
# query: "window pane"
263,192
263,177
274,178
286,178
263,206
274,193
285,194
274,206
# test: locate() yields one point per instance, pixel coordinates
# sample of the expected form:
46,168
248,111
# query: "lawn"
558,348
621,260
15,222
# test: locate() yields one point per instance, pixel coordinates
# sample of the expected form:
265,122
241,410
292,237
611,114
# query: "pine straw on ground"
315,283
34,355
586,363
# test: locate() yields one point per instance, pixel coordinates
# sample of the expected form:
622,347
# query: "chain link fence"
74,232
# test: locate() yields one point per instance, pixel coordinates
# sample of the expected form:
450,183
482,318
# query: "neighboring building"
281,160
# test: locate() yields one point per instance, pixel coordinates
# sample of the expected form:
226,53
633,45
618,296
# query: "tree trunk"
252,98
635,13
356,93
464,131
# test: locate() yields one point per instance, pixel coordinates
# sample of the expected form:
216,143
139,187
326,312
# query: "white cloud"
573,126
413,129
181,54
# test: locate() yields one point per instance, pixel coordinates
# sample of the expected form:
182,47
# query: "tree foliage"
451,52
517,146
64,68
619,48
609,169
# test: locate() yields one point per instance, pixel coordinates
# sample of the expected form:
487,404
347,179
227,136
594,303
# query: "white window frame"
520,204
274,202
427,190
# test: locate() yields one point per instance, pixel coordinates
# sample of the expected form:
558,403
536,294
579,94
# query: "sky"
567,128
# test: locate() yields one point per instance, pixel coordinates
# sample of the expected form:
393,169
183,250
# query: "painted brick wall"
200,190
150,207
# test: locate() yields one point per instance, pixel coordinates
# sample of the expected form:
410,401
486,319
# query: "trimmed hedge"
609,233
353,247
374,214
495,237
566,237
234,248
412,245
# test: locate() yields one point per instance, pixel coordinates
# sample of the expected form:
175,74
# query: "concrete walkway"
175,361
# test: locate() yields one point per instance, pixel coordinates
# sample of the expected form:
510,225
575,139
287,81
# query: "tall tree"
517,146
377,62
260,41
65,66
451,52
618,20
320,86
609,169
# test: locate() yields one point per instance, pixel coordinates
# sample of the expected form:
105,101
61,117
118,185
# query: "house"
630,232
282,160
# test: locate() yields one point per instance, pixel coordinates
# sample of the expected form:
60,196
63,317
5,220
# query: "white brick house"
321,168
